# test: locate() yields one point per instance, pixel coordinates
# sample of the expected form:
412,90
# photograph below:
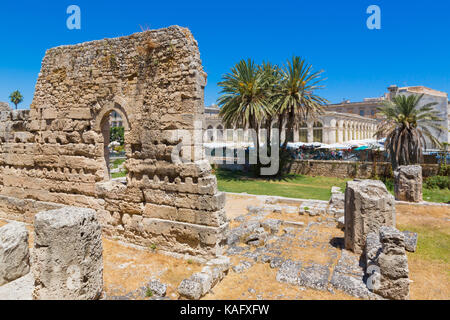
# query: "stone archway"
103,127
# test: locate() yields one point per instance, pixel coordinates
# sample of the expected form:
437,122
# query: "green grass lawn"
292,186
297,186
432,244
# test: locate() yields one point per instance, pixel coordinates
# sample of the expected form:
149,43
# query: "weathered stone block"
368,206
337,202
387,264
14,252
408,183
190,289
410,241
67,259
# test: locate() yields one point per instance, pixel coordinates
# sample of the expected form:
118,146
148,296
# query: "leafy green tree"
16,98
245,99
406,126
294,98
117,134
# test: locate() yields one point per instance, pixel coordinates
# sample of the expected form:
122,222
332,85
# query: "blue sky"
412,48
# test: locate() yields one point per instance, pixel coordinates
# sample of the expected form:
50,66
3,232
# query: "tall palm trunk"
289,126
280,128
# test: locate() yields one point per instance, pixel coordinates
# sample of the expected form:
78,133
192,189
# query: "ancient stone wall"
56,151
353,169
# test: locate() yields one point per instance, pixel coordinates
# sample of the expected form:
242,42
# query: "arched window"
210,134
220,133
303,132
230,133
318,132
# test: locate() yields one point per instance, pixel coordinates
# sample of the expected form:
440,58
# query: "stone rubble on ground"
410,241
387,264
157,288
200,283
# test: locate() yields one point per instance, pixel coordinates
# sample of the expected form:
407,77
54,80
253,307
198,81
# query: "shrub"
438,182
389,182
149,293
117,134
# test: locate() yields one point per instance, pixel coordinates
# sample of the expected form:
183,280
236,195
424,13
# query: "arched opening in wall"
113,127
318,132
303,132
220,133
229,133
210,134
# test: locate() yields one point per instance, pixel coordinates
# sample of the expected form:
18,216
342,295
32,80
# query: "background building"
331,127
340,122
368,107
115,120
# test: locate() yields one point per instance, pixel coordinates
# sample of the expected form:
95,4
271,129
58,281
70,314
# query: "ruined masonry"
387,263
67,262
54,154
368,206
14,252
408,183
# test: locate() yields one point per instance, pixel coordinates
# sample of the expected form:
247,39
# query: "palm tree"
272,77
294,99
16,98
405,128
245,100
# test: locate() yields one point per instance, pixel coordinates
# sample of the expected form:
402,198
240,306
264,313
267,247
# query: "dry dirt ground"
128,269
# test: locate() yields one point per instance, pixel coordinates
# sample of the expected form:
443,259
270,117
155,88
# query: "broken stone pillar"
368,206
337,202
14,252
67,258
408,183
387,264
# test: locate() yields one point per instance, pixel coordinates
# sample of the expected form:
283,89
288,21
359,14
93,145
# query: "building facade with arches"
329,128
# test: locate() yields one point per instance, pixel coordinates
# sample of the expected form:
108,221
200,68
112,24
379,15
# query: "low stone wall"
349,169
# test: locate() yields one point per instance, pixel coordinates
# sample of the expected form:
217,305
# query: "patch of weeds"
153,246
149,293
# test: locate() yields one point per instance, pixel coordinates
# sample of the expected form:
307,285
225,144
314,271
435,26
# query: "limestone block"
67,259
49,113
80,113
410,240
368,206
14,252
393,264
337,202
408,183
190,289
159,289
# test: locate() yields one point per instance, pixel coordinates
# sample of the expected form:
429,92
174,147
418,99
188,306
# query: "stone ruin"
408,183
56,154
14,253
65,262
387,264
368,206
370,231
